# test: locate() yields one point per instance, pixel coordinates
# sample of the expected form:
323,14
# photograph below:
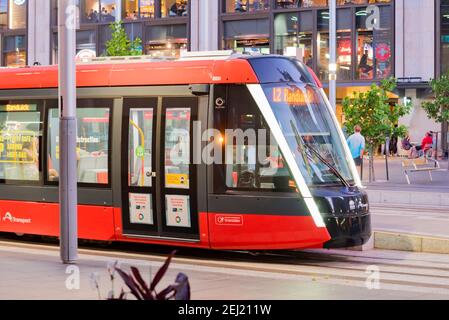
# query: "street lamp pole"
67,23
333,53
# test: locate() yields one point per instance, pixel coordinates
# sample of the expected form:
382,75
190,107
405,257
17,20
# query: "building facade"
376,39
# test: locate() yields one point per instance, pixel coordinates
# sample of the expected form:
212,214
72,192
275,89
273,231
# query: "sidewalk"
419,180
395,191
407,217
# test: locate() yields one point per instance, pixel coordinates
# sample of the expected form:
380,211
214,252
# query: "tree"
376,116
438,109
120,45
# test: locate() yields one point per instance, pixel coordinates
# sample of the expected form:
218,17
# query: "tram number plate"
228,220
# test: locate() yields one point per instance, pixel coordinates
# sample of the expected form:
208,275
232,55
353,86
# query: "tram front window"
310,131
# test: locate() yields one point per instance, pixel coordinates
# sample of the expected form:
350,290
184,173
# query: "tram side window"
253,160
20,130
92,145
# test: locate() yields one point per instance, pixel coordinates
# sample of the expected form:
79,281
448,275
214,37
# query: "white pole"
67,21
333,53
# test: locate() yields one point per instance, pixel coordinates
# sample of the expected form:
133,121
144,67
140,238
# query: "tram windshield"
310,131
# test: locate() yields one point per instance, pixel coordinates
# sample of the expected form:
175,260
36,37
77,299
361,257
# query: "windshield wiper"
319,156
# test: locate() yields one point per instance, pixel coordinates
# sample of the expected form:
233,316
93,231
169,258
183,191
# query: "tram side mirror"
199,89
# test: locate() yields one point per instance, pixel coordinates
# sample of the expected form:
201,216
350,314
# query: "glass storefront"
14,51
161,25
364,49
95,11
247,36
288,4
374,47
86,45
344,44
246,5
3,14
17,14
13,24
174,8
166,41
293,35
135,9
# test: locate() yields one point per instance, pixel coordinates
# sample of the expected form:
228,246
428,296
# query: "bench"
419,165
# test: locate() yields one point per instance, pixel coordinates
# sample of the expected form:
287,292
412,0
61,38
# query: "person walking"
356,143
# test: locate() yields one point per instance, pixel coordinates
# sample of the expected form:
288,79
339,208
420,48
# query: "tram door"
158,174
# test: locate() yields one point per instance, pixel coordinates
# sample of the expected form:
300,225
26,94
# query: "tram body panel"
136,74
202,242
94,223
257,232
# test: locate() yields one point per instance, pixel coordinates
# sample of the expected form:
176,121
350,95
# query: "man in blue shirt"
356,143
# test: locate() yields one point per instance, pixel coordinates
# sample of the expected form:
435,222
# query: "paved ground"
31,272
419,181
419,220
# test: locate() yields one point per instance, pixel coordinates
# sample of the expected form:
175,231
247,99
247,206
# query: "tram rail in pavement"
310,274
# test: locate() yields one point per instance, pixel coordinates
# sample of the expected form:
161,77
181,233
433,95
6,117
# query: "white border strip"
264,106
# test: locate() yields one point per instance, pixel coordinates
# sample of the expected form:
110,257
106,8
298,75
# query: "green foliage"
439,108
373,112
120,45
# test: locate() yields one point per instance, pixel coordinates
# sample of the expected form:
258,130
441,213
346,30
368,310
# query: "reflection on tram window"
140,147
92,145
177,148
310,131
20,130
253,160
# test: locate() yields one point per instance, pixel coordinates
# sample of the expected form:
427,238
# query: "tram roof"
192,70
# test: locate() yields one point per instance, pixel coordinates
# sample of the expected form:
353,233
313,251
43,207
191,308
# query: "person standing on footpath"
356,143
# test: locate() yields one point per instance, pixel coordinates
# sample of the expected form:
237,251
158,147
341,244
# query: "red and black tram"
224,152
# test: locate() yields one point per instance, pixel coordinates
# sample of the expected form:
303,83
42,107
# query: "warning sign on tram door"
177,181
140,209
178,211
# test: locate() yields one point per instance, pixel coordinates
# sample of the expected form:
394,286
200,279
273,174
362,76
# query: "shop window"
86,46
166,41
345,2
135,9
247,36
239,6
3,14
108,11
20,133
90,11
344,45
314,3
374,51
14,51
92,145
293,35
17,14
95,11
174,8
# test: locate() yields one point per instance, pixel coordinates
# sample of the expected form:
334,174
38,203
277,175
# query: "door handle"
150,174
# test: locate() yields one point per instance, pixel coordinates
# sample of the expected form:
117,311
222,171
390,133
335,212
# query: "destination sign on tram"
293,96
